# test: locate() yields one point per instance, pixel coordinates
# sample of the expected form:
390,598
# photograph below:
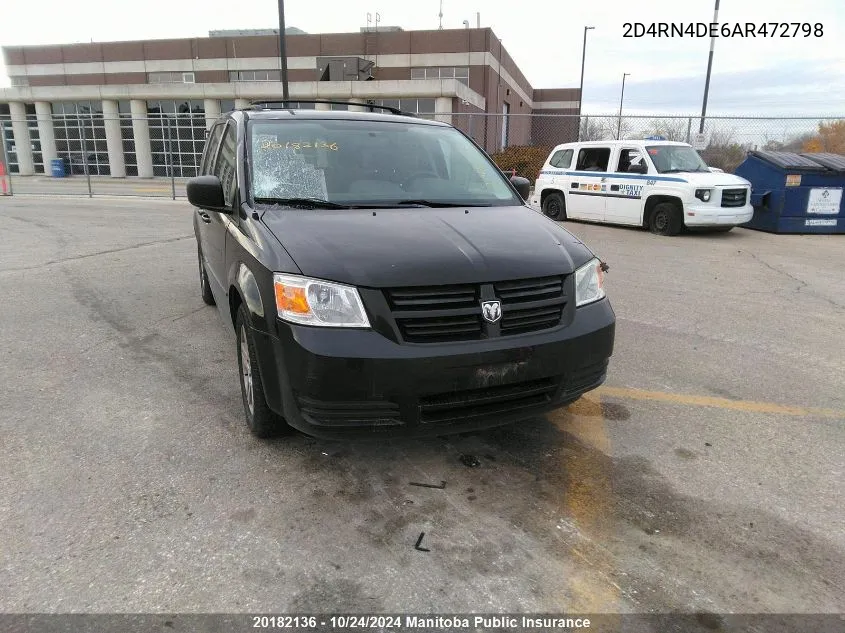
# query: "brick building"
122,107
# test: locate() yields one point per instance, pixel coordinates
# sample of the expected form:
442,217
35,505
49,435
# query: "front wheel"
554,206
260,419
666,219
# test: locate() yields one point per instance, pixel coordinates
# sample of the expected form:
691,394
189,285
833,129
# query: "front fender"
244,281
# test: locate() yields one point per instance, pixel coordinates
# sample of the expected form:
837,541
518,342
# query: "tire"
205,287
665,219
554,206
721,229
262,422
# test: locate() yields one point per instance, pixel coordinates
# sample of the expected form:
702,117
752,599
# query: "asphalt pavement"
706,476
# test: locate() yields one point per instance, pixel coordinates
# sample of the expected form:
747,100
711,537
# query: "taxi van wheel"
721,229
554,206
205,287
665,219
260,419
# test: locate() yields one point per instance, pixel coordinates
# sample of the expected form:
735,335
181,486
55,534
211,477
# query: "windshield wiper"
311,203
439,203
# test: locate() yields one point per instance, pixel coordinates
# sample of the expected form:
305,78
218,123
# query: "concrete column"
23,142
241,103
443,109
114,142
212,112
363,108
322,106
141,134
46,135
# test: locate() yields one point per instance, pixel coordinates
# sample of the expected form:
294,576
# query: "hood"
410,247
712,179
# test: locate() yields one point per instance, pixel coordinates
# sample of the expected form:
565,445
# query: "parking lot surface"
706,475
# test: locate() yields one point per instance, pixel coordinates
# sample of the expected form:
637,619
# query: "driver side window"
630,158
224,169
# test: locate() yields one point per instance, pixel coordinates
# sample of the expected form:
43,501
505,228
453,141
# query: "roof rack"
285,105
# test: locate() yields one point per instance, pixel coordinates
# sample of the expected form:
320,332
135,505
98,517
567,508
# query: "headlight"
316,302
589,283
703,194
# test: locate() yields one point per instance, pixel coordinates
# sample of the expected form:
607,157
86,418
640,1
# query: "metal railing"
155,154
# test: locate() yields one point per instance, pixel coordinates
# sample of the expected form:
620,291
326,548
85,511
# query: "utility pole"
581,89
282,51
619,128
709,68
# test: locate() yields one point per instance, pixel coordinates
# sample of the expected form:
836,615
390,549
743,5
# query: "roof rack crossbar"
285,104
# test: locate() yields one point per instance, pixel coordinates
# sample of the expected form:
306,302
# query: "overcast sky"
801,76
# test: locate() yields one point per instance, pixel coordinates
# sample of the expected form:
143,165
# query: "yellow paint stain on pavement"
718,403
587,503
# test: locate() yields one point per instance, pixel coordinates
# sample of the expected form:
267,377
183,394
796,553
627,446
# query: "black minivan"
383,277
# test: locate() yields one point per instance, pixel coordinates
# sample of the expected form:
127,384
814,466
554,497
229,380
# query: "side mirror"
522,185
641,168
206,192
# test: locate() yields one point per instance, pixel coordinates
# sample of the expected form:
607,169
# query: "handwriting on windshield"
297,145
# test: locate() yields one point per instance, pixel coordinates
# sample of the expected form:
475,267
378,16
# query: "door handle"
204,217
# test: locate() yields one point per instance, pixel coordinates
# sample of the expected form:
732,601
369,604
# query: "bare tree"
723,150
592,129
670,129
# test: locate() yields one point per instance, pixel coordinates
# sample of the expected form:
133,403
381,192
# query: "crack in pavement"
97,254
803,283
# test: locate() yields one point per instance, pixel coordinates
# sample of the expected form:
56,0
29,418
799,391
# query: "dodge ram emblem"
492,310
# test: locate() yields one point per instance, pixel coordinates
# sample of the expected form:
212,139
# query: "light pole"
581,89
621,97
282,52
709,68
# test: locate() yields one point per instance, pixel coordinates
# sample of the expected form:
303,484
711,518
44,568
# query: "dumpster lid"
789,160
836,162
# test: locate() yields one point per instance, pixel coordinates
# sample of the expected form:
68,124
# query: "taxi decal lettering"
631,191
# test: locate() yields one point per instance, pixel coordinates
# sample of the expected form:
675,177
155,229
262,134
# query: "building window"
81,137
421,106
7,138
171,78
127,138
177,136
19,82
461,73
255,75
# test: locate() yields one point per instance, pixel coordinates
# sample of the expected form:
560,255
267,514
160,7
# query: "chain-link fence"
521,143
88,152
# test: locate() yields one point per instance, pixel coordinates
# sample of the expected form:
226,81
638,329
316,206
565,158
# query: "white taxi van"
661,185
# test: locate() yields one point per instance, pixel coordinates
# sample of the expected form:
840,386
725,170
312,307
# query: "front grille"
327,413
734,197
530,304
458,406
434,314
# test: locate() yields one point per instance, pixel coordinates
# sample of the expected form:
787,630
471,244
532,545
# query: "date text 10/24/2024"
380,622
724,29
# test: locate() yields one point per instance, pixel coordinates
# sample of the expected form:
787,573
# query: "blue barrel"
57,168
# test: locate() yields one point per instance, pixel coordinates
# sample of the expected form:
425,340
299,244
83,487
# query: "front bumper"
712,215
353,383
